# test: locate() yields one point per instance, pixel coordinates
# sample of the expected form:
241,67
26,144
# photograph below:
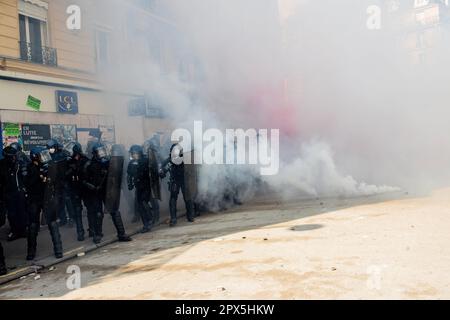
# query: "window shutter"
34,8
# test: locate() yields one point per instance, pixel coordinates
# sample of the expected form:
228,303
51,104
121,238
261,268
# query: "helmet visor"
69,148
102,153
45,157
135,156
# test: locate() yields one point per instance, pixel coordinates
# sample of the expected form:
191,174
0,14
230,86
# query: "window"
34,39
102,48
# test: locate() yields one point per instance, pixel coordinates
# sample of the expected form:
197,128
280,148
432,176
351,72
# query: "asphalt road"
392,246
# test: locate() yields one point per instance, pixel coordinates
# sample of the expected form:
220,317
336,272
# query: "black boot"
118,223
80,228
3,269
98,226
155,212
173,212
146,216
145,221
56,238
190,211
91,224
33,230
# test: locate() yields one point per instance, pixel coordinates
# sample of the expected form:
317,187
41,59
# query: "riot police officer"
139,177
59,155
101,179
54,194
75,189
177,181
42,186
21,156
152,149
12,173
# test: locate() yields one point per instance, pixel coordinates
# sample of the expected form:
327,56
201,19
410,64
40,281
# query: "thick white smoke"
356,116
314,173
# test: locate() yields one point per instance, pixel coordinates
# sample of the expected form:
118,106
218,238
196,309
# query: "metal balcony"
38,54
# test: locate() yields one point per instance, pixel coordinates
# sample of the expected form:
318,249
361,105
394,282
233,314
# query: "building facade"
56,82
423,27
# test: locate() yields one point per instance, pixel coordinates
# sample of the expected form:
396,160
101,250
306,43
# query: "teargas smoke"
357,115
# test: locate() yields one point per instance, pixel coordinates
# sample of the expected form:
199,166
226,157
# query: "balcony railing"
38,54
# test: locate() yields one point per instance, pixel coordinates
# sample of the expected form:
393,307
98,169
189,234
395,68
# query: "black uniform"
3,269
35,186
76,192
138,177
94,180
54,199
12,172
177,183
154,160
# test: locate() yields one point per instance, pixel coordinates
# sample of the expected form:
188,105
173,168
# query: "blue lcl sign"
67,102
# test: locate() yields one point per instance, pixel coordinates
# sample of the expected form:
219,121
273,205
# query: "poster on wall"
108,134
11,132
35,135
64,133
84,136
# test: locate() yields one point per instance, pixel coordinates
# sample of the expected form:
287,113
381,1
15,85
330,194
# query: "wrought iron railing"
38,54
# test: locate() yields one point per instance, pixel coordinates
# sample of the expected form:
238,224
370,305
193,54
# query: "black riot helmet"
136,152
16,146
77,149
53,146
41,155
99,152
10,154
73,148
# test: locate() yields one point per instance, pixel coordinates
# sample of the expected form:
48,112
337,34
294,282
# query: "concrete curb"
51,261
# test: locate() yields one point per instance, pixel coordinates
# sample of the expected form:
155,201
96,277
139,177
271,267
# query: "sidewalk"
16,251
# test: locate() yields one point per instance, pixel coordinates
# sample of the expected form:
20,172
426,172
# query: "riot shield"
114,179
190,179
155,183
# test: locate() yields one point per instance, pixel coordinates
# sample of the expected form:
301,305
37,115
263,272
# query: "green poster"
11,133
34,103
11,129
